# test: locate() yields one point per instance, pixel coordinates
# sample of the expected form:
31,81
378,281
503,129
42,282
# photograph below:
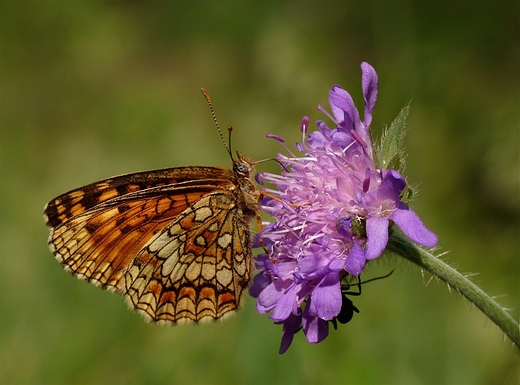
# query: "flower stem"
403,247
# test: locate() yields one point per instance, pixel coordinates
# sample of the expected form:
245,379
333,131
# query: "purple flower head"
332,207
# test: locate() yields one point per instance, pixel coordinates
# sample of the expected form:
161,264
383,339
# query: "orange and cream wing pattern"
195,269
174,242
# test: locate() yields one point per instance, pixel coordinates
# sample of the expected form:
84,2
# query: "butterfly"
175,242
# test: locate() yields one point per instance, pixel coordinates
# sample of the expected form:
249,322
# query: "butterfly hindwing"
197,267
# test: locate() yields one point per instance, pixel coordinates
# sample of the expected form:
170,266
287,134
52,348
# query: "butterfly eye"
241,168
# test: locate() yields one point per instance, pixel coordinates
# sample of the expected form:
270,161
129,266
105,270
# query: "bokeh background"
92,89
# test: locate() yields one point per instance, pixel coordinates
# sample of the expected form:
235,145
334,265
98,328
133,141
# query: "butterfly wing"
197,267
97,230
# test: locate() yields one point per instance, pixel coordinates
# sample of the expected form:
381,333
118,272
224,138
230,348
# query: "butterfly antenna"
272,159
208,99
229,129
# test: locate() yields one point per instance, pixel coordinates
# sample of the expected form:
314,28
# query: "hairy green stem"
400,245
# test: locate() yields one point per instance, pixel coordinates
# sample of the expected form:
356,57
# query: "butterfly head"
243,166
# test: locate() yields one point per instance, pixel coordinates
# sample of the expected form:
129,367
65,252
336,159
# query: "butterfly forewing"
175,242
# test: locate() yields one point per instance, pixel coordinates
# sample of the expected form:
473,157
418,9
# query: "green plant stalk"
402,246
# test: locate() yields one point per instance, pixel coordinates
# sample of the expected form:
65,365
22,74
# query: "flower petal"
370,85
285,304
270,295
327,297
356,260
412,226
315,329
377,236
345,112
260,282
391,186
290,326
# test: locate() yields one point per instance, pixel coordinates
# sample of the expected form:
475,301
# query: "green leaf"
390,152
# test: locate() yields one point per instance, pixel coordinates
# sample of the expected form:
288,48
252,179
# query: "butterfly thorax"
243,169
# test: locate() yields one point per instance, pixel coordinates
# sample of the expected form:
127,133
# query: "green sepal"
389,153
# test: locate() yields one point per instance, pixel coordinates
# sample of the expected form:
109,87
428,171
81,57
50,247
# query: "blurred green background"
91,89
